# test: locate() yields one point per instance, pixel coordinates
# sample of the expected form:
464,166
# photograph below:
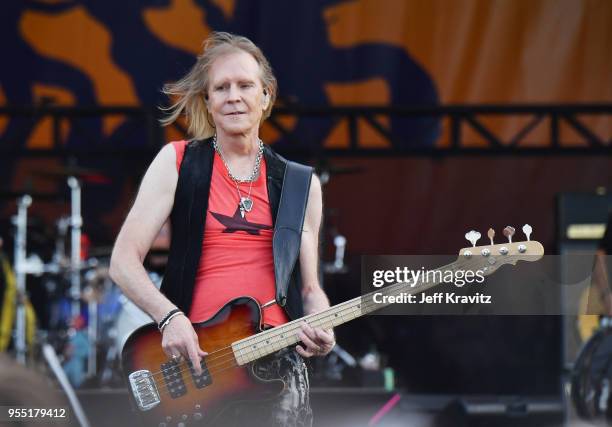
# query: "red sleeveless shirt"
237,257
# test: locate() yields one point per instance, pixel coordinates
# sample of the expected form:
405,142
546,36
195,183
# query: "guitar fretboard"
267,342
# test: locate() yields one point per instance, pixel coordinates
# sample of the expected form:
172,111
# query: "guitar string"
282,330
220,367
393,290
278,331
214,369
256,340
232,360
317,318
211,366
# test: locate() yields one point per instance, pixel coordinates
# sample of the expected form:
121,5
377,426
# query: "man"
225,250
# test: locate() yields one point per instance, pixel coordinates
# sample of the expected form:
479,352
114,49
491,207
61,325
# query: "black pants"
292,407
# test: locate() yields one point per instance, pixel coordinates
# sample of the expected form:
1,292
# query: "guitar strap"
288,227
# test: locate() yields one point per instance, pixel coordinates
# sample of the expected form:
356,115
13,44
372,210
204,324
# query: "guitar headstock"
489,258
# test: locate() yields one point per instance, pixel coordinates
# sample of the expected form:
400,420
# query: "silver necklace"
245,204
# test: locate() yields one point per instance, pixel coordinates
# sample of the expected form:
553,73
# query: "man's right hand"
180,339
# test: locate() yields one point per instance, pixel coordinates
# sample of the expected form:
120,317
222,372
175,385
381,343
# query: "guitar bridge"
144,389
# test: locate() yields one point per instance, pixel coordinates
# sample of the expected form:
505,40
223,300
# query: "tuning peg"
472,236
509,232
527,230
491,235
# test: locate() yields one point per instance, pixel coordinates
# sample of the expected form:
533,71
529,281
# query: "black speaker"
580,223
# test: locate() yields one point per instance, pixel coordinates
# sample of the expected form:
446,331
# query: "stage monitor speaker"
580,224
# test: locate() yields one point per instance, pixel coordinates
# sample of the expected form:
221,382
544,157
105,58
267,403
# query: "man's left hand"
318,341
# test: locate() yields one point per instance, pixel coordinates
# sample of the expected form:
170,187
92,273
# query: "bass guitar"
169,393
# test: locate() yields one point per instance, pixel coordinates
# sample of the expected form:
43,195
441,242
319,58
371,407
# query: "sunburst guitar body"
168,393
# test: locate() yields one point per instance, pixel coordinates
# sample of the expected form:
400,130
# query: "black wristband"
164,319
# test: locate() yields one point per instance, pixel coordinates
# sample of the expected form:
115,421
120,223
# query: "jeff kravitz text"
435,298
414,278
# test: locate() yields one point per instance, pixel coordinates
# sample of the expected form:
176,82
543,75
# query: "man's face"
235,93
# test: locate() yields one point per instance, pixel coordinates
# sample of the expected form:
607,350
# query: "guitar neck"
267,342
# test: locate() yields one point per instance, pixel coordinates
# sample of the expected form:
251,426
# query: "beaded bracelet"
166,319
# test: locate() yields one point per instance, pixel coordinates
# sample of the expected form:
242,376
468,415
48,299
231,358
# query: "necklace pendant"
241,210
246,204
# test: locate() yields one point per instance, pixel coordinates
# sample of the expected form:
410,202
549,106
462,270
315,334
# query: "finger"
321,338
201,352
195,359
309,331
310,344
324,336
307,328
177,353
171,351
302,352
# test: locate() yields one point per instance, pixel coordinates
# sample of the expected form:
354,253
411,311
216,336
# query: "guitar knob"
509,232
522,248
503,250
491,235
485,252
472,236
527,231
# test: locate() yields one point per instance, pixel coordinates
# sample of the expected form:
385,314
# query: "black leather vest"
188,218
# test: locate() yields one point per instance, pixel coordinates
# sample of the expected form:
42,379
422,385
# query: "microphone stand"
21,222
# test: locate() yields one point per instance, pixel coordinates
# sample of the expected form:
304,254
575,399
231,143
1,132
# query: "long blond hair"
189,91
